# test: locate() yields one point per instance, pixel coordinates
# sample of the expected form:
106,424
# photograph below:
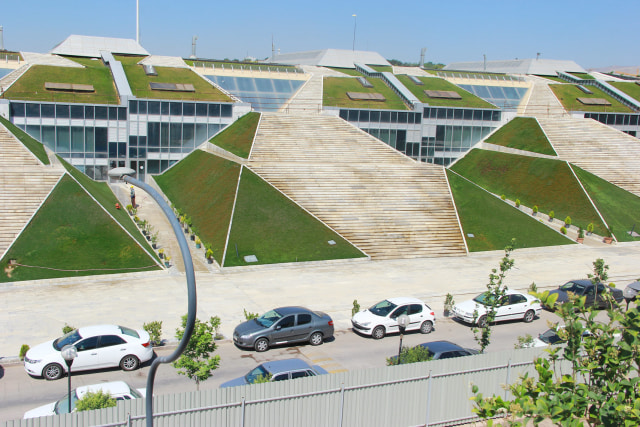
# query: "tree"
197,362
410,355
601,388
496,290
95,400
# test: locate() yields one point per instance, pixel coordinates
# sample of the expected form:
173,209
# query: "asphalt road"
347,351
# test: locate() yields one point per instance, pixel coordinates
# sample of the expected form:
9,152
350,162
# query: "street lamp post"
355,21
69,352
403,322
124,174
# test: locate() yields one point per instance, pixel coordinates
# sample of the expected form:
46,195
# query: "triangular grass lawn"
274,229
32,145
619,208
494,223
237,138
547,183
71,232
523,133
203,187
103,194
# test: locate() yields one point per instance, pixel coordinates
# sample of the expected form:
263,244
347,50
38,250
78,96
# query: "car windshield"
129,331
62,405
568,287
484,298
383,308
550,337
269,318
255,373
69,338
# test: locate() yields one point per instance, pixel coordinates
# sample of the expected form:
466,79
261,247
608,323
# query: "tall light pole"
138,21
68,353
403,322
124,174
355,21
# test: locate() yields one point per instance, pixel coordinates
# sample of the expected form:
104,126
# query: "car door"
87,357
392,321
416,316
303,327
511,307
283,331
112,349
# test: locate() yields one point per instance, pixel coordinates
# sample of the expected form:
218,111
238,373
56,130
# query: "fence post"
506,389
129,419
242,409
426,421
341,403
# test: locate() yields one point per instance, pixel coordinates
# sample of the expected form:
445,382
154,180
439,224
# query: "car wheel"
261,345
378,332
426,327
129,363
529,316
316,338
52,371
482,322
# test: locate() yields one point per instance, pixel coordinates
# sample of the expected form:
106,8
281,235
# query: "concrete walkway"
33,312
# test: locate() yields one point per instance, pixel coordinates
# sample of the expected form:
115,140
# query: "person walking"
133,197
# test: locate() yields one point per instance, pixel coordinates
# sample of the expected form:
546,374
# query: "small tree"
410,355
524,342
563,230
448,304
154,329
567,221
23,351
249,315
95,400
503,197
590,228
552,215
261,379
517,203
535,209
355,308
67,328
197,362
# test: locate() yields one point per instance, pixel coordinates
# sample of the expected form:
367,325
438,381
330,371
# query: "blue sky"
592,33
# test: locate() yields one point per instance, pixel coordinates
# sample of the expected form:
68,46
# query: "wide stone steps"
597,148
383,202
542,101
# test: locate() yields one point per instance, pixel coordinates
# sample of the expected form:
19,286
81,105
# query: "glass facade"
506,97
262,94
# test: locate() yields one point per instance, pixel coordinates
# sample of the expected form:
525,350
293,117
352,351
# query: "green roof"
468,100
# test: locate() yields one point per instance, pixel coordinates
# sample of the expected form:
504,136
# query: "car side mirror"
278,327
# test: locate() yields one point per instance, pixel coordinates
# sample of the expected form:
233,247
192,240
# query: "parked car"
101,346
585,288
630,293
278,370
444,350
284,325
551,337
512,306
382,318
118,390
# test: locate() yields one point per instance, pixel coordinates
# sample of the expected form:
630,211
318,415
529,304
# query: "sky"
592,33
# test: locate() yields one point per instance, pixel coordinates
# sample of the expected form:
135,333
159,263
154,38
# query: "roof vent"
149,70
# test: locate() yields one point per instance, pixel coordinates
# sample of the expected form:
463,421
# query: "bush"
410,355
155,331
517,203
535,209
23,351
503,197
590,227
355,308
524,342
261,379
448,304
580,233
567,221
563,230
97,400
67,328
552,215
249,315
533,288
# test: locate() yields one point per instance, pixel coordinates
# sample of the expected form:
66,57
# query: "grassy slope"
567,94
71,232
523,133
631,89
349,71
274,229
468,100
31,85
494,223
583,76
203,186
32,145
619,208
238,137
549,184
336,88
382,68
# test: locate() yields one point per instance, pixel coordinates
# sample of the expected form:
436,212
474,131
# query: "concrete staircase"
597,148
24,184
308,100
9,79
542,101
378,199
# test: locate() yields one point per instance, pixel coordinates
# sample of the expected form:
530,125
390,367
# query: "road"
347,351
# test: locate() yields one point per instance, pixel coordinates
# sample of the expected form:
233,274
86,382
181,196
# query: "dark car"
278,370
444,350
282,326
585,288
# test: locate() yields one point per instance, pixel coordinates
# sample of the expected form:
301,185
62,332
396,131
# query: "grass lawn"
583,76
32,145
139,83
348,71
336,88
619,208
30,86
71,232
274,229
468,100
523,133
547,183
237,138
630,88
494,223
554,78
567,94
382,68
203,186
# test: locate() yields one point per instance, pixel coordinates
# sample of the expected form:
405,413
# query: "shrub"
67,328
261,379
249,315
567,221
448,303
580,233
97,400
155,331
208,254
590,227
355,308
517,203
552,215
535,209
524,342
503,197
410,355
563,230
23,351
533,288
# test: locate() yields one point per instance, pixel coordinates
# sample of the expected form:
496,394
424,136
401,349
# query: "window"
287,322
415,308
280,377
299,374
304,319
110,340
399,311
517,299
87,344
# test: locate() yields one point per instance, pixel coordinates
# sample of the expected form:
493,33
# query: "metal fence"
435,393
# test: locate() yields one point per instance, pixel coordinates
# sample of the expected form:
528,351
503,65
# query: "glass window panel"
142,141
89,111
482,91
49,136
175,108
201,110
89,140
175,138
353,115
153,166
213,129
364,115
48,110
34,132
457,114
101,113
63,141
201,133
385,116
496,92
133,152
164,135
495,115
344,114
77,139
133,141
153,107
225,110
374,116
441,112
394,117
188,137
403,117
619,118
164,108
189,109
633,120
449,113
477,114
153,134
77,112
17,110
122,113
101,136
214,110
122,149
133,107
62,111
401,139
142,107
426,111
384,135
113,149
113,113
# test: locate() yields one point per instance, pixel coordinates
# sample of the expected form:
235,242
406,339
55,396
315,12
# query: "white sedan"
102,346
118,390
513,305
382,318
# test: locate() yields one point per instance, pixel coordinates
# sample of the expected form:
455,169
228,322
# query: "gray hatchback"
282,326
